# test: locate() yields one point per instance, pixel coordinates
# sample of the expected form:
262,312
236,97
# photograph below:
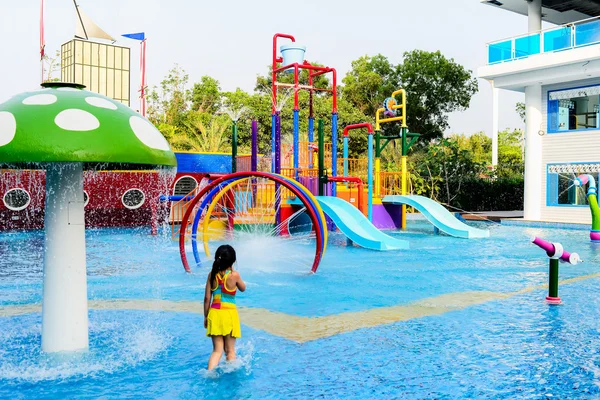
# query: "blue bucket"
292,53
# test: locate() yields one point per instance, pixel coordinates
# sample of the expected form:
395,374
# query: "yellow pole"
377,177
404,174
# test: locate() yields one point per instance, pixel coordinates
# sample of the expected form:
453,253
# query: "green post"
234,147
322,177
553,279
404,142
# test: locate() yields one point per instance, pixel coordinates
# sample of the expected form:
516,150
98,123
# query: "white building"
558,69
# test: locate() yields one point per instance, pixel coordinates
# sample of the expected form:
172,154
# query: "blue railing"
570,36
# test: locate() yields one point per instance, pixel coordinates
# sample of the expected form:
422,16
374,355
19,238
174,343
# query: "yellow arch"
209,211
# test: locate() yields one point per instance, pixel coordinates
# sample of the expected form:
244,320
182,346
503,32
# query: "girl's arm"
207,297
241,285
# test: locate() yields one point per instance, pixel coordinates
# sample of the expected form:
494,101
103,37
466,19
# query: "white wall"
566,147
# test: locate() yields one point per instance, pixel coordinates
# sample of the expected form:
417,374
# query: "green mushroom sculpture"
65,130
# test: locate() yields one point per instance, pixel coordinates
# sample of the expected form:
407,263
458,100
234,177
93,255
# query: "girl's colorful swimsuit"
222,317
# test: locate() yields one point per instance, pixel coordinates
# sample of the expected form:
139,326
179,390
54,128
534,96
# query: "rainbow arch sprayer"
211,193
592,195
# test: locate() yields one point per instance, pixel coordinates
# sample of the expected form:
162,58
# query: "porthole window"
184,185
16,199
133,198
86,198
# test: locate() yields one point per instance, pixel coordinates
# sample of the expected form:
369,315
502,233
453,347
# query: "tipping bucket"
292,53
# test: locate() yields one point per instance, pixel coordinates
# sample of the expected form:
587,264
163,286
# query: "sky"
232,41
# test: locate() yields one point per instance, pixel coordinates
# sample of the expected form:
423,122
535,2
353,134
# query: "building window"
574,109
16,199
184,186
133,198
560,187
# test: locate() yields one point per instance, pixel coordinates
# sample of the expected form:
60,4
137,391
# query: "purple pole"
278,143
277,163
254,157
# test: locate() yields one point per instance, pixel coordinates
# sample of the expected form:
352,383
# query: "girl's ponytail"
224,258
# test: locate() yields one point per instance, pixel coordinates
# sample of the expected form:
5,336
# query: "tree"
478,144
435,87
369,82
51,67
172,102
444,166
520,109
206,95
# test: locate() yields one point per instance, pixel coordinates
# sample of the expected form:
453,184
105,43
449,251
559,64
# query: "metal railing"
569,36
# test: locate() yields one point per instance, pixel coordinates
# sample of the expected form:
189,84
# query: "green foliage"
206,95
502,194
520,109
444,162
171,103
369,82
435,86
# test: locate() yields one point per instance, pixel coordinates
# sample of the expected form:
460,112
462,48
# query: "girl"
220,315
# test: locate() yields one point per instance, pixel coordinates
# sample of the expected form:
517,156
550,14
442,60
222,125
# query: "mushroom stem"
64,308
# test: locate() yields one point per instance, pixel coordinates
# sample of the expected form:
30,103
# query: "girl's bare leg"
230,347
217,352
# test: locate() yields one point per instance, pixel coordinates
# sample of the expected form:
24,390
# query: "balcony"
565,37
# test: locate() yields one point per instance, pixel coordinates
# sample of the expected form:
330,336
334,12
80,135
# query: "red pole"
351,179
274,66
143,77
357,126
42,38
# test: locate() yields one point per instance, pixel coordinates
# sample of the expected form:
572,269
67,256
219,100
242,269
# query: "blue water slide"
437,214
357,227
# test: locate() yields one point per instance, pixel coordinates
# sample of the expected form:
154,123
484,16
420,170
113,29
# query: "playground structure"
293,199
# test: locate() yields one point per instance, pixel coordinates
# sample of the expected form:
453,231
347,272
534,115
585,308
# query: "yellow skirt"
223,322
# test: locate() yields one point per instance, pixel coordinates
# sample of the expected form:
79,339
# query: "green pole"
553,279
404,142
234,147
322,177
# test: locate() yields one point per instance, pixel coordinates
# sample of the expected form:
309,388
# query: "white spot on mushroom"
40,100
8,127
148,134
68,89
76,120
100,102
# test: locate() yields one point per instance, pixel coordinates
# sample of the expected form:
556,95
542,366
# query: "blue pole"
296,142
334,127
311,138
345,155
273,117
370,177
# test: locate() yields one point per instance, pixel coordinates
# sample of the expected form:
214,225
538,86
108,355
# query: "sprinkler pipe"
556,252
592,195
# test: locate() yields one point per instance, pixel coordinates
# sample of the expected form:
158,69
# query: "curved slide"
357,227
437,214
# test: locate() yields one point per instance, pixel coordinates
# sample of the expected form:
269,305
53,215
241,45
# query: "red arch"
311,212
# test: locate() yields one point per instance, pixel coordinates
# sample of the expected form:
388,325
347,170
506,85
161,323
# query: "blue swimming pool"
450,318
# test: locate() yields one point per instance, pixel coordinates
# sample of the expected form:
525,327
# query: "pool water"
508,345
